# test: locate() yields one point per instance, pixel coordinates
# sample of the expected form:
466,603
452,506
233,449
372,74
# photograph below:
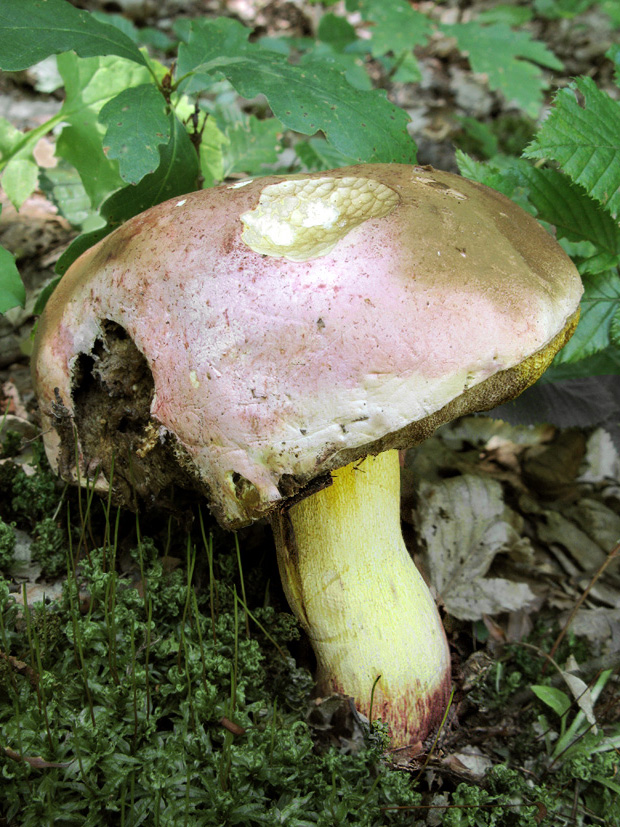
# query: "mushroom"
272,344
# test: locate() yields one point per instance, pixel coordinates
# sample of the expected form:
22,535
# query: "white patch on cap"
305,218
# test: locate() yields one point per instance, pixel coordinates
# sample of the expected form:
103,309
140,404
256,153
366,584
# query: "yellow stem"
366,609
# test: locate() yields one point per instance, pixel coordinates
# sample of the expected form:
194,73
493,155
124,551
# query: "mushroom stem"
354,588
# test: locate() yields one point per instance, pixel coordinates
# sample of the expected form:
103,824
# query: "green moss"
49,547
7,544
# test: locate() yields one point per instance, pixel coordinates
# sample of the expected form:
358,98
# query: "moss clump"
49,547
7,544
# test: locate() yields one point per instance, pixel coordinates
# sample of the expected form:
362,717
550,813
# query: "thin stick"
611,556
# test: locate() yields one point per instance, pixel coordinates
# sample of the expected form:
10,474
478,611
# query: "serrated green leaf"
137,124
19,180
31,30
507,57
574,215
12,292
176,174
397,27
554,698
584,140
479,171
606,363
307,99
599,308
614,329
89,85
500,174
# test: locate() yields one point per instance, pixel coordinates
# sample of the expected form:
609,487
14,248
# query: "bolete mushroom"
271,344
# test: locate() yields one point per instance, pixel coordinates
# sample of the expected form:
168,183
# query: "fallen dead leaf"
35,761
464,523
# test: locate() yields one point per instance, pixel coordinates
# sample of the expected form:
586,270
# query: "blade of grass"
208,544
247,622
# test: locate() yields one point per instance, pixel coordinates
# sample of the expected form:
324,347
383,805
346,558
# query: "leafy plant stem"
269,637
134,687
200,641
37,666
235,663
78,752
147,683
32,136
245,602
208,544
575,730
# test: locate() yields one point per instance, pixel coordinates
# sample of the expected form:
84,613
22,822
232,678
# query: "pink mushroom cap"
292,325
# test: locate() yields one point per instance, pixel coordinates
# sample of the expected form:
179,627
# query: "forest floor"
525,571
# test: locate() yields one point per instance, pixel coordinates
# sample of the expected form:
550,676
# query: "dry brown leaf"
35,761
464,523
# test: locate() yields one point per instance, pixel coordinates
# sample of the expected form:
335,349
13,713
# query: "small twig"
439,730
611,556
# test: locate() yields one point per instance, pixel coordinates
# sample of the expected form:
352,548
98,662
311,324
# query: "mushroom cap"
292,325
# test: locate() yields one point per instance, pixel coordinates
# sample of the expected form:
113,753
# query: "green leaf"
251,145
605,363
17,145
554,9
210,43
482,134
44,295
307,99
20,180
317,154
613,54
554,698
12,292
137,125
10,138
397,27
176,175
336,31
212,139
349,64
584,140
407,69
607,782
600,312
63,186
89,85
211,153
574,215
507,57
511,15
31,30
